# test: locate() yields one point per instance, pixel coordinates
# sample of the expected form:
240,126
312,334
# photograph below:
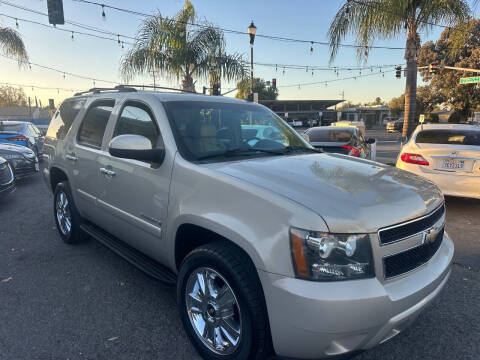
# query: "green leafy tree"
10,96
464,99
372,19
181,51
11,44
259,86
427,100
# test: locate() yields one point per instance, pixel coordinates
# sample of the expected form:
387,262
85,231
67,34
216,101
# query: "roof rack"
130,88
95,90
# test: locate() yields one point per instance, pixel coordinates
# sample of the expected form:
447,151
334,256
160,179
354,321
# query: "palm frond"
11,44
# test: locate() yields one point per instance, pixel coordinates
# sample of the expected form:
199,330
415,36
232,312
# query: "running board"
132,255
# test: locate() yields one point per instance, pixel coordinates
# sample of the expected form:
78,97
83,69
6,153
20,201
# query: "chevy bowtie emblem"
428,236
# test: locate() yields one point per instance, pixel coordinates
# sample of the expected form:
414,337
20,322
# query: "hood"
7,148
350,194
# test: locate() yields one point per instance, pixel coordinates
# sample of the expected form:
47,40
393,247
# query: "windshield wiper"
241,151
288,149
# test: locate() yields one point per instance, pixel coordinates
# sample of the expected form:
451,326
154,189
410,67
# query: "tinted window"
94,124
5,126
63,118
202,128
135,119
329,135
449,137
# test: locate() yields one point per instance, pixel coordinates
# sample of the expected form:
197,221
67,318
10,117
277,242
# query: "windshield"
330,135
449,137
204,129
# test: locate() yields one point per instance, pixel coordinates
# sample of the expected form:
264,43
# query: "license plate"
450,164
37,168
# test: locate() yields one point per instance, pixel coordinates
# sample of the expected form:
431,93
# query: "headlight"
331,257
29,156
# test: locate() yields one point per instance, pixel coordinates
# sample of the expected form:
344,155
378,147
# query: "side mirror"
371,141
135,147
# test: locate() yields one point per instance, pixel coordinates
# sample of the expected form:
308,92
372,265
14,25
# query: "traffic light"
274,83
398,72
55,12
432,69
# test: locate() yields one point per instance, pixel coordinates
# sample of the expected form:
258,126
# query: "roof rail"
155,87
130,88
95,90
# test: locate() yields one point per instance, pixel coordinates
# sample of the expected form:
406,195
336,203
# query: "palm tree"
180,50
374,19
11,44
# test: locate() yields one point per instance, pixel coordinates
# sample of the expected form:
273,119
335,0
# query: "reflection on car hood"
350,194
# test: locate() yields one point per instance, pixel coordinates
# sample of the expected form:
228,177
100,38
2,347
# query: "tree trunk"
187,83
413,43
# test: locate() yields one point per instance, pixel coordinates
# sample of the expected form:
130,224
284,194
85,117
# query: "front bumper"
312,320
7,189
25,168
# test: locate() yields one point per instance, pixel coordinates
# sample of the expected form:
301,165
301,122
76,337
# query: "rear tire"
66,215
242,312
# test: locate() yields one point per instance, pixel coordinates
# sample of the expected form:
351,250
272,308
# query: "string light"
104,17
311,48
118,39
276,67
283,71
306,70
63,76
72,36
16,22
122,45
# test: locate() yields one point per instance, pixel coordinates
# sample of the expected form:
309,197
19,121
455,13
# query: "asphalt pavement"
59,301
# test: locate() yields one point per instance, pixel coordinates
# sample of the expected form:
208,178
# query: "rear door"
451,150
84,155
136,192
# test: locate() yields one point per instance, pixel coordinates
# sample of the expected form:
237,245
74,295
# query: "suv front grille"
408,260
5,174
400,231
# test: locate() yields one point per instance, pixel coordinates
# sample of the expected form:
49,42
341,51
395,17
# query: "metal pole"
251,69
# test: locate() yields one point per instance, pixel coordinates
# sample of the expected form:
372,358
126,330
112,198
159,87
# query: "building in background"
304,112
371,115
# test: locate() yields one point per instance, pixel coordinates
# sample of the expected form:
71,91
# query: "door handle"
107,172
71,157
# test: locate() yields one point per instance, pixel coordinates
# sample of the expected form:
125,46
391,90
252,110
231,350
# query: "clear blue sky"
300,19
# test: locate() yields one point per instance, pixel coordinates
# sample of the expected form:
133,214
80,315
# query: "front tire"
66,215
221,304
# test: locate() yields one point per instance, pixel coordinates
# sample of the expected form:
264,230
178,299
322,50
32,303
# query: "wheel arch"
194,232
57,175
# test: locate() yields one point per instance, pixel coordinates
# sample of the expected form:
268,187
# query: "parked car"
341,140
22,133
23,161
274,246
448,155
7,180
394,126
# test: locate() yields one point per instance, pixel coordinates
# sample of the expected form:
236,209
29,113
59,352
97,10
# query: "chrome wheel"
62,210
213,311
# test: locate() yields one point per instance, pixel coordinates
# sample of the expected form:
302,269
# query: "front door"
136,192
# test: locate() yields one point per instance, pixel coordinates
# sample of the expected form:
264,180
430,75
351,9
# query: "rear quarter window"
329,135
449,137
94,124
63,118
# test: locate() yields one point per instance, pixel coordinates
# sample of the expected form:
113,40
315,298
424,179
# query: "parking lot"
84,302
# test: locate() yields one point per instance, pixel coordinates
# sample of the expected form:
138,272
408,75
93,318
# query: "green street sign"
470,80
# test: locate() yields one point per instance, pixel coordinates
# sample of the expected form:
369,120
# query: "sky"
97,58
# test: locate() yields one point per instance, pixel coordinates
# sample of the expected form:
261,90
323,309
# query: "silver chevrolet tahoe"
275,247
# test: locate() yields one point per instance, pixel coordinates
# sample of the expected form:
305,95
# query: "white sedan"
446,154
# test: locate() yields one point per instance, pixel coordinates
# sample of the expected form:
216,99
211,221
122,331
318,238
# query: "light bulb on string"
283,71
311,48
63,76
72,36
122,45
104,17
118,40
306,70
276,68
298,86
16,23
